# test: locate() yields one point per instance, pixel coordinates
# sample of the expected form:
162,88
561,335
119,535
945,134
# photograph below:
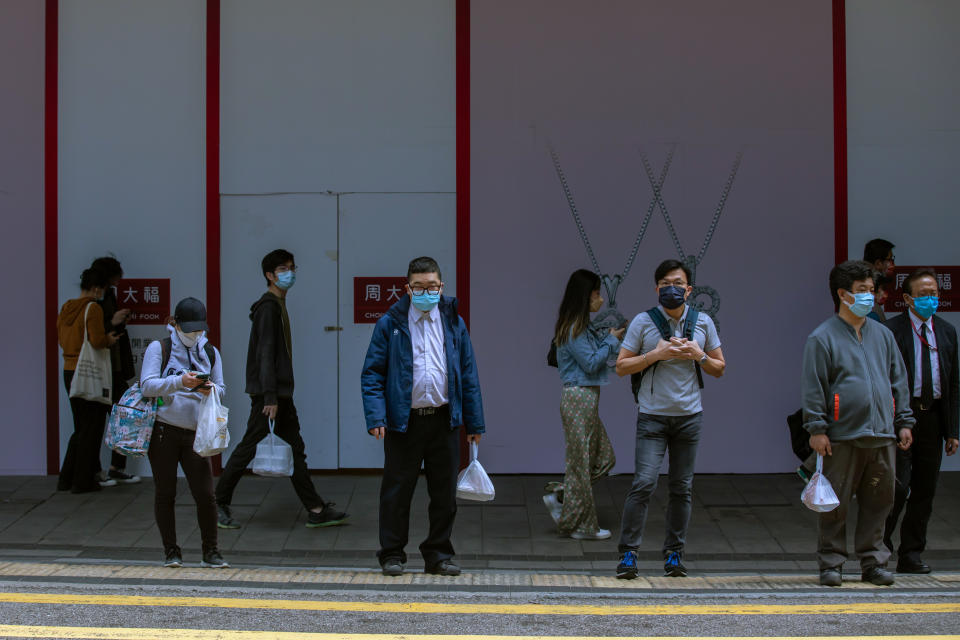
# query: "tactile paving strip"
939,581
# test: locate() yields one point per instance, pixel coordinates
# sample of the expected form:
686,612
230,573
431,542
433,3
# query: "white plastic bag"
473,483
213,436
819,495
93,377
274,457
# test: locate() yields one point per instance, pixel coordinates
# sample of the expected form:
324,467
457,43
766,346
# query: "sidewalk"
741,524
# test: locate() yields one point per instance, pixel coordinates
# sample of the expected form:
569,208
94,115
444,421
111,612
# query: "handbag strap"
270,423
86,312
474,449
819,463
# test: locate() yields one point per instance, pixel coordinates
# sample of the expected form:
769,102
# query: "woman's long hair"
575,308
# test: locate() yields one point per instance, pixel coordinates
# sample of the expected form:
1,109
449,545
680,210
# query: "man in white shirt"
928,344
419,384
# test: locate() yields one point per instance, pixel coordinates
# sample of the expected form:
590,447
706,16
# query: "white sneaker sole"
603,534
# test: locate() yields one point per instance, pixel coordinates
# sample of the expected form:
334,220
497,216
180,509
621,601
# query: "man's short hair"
916,275
877,249
846,273
423,264
274,259
109,265
671,265
93,278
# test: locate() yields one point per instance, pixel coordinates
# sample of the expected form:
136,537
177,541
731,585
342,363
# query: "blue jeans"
655,436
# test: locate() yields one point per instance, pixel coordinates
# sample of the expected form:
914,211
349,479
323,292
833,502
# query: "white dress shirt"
919,349
429,358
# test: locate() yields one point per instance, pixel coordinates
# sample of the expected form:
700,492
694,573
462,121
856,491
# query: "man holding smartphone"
270,386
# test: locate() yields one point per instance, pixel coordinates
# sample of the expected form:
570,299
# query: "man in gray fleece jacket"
856,406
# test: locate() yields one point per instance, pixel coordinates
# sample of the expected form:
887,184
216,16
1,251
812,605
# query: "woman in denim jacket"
582,356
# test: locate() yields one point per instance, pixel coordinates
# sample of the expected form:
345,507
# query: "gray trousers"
868,473
655,436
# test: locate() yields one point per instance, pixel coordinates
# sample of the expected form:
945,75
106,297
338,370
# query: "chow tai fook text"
372,297
946,278
147,298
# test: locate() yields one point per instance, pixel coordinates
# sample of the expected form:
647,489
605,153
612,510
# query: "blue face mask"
672,296
862,304
286,279
426,301
926,306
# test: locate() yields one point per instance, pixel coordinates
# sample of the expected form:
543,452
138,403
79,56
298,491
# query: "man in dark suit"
929,349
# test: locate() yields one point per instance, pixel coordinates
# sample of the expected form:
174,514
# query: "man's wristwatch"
703,358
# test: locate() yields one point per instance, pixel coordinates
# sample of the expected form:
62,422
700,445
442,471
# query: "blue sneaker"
627,569
673,567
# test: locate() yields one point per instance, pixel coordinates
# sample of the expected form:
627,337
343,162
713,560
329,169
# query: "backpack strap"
689,326
663,327
166,346
211,354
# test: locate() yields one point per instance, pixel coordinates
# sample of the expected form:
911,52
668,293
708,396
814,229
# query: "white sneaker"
105,481
553,506
600,534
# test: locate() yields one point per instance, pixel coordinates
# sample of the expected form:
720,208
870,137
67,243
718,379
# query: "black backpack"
166,345
689,324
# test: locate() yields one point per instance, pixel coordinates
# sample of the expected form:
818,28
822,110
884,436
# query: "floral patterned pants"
589,457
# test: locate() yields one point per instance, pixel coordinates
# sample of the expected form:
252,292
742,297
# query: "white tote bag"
819,495
213,436
274,457
93,377
473,483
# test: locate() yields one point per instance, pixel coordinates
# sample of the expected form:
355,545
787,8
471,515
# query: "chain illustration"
701,293
609,317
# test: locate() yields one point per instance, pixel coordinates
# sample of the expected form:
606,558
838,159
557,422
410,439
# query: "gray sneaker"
225,517
213,560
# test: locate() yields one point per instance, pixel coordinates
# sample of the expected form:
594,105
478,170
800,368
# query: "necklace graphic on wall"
700,292
611,316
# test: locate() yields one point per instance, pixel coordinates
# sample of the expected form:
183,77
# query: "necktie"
926,380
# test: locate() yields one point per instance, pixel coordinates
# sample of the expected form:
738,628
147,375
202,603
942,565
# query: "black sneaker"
627,569
225,517
831,577
879,576
173,559
443,568
673,567
213,560
122,477
329,517
392,567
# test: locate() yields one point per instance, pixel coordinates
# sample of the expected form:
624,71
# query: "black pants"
287,428
431,441
117,460
170,446
917,471
82,459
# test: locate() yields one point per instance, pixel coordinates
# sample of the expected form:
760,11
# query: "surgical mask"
862,304
426,301
189,339
286,279
672,296
926,306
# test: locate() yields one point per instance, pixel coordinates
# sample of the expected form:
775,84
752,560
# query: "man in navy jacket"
419,384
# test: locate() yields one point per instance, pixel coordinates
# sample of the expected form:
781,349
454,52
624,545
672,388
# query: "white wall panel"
131,146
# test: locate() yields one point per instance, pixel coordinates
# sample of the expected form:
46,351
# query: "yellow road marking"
850,608
112,633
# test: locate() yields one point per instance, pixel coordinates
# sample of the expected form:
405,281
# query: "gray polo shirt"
675,390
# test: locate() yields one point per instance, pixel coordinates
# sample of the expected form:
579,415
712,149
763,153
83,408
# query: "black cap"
191,315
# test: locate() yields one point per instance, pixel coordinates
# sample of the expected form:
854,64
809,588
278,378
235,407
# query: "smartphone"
202,376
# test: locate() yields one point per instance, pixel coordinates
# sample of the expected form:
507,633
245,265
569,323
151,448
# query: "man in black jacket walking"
928,344
270,386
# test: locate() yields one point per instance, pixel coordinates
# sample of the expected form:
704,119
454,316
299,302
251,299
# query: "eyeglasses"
674,283
419,291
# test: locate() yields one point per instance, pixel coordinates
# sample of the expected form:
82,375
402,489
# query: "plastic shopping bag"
212,433
131,423
93,377
473,483
819,495
274,457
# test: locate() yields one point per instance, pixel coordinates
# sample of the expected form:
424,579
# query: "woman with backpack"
81,319
582,356
179,371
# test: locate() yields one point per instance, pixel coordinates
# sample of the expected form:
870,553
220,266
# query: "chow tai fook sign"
373,296
947,277
147,298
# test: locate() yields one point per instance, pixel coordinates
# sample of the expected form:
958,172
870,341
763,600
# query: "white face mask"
189,339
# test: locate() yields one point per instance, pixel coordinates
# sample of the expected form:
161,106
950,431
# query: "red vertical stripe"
463,175
50,232
212,161
463,157
840,130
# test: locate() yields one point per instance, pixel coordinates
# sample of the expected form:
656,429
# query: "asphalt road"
521,614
